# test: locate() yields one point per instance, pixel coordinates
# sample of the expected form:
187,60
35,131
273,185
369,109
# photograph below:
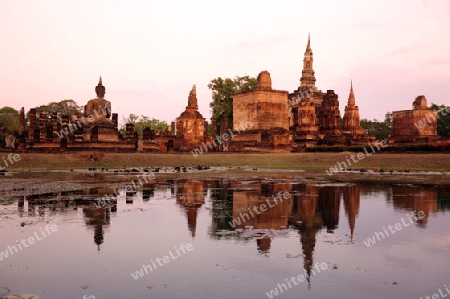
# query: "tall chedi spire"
351,96
308,79
192,99
351,115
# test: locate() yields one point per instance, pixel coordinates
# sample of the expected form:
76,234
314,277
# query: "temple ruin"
268,112
316,118
264,120
416,125
191,126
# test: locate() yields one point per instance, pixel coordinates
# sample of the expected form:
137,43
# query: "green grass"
307,161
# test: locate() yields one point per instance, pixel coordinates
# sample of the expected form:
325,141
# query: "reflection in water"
97,219
310,209
416,199
351,206
63,202
191,196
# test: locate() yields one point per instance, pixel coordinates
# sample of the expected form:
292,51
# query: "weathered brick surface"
190,125
264,107
419,124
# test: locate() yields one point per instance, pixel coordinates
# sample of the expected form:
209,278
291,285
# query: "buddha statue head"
100,89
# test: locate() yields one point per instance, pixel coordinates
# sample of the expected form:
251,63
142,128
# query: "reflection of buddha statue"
99,110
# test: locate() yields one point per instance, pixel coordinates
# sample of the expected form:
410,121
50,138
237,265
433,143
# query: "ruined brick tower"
268,112
351,116
190,125
329,115
417,125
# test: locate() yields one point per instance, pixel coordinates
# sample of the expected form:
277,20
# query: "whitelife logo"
162,261
11,250
394,228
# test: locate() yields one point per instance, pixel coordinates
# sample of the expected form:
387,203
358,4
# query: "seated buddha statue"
98,111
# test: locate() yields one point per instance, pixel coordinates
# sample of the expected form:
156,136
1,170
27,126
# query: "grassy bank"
307,161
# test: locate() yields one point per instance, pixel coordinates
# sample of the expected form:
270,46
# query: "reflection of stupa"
97,218
190,195
307,218
351,205
426,200
309,209
329,201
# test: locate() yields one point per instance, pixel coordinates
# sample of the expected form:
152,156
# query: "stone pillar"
22,142
55,126
214,128
172,127
32,125
42,126
223,129
48,133
22,122
63,144
86,133
65,124
146,134
114,120
76,124
78,135
130,131
205,131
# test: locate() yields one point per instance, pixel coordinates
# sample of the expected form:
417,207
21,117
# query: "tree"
381,130
222,95
140,123
443,120
64,107
9,118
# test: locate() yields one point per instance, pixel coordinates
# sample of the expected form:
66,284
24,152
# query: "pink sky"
150,53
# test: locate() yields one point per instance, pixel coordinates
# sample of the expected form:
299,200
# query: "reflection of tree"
444,199
222,207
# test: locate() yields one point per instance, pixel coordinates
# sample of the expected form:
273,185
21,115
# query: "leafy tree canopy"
223,91
381,130
141,122
64,107
9,118
443,121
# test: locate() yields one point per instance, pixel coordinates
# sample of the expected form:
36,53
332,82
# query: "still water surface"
319,232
